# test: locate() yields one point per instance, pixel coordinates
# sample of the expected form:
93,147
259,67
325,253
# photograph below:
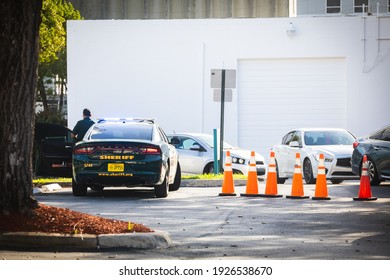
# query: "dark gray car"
377,148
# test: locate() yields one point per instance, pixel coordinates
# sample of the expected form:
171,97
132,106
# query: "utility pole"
222,119
223,81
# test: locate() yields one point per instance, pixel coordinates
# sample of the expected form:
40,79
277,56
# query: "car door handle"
376,148
68,147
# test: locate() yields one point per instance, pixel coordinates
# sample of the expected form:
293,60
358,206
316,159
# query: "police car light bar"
151,120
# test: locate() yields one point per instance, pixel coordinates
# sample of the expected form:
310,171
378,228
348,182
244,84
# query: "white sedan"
196,154
334,143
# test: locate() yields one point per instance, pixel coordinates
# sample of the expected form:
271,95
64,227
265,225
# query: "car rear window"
122,131
383,134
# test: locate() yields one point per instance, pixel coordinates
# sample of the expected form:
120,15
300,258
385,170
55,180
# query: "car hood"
338,151
245,154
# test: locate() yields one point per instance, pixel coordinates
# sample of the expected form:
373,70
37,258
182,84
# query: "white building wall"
161,68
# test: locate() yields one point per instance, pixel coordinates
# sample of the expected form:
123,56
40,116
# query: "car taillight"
83,150
150,151
355,144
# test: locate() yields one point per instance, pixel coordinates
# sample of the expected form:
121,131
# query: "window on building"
388,6
358,6
333,6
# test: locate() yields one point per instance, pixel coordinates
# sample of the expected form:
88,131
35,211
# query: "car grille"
345,162
342,173
260,172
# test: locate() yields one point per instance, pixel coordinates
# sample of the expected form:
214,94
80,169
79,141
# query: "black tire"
372,172
78,189
308,172
162,189
336,181
209,168
177,181
278,179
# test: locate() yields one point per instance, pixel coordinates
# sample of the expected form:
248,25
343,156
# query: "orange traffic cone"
365,187
228,182
252,185
321,191
297,184
271,186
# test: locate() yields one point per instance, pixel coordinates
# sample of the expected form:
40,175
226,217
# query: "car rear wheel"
308,172
176,183
78,189
162,189
372,172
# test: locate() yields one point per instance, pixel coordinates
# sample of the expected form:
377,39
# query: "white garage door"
278,95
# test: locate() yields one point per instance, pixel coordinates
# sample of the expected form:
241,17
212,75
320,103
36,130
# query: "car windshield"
209,139
121,131
316,138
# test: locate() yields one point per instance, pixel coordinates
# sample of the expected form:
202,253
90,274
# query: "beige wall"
180,9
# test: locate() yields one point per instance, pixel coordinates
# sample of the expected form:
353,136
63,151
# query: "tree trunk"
19,31
62,88
42,94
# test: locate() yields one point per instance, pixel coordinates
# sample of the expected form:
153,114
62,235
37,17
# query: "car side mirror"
174,141
196,147
294,144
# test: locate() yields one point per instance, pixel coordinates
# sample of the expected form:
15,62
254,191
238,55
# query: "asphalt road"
204,225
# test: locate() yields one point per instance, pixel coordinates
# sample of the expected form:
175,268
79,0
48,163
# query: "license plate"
116,167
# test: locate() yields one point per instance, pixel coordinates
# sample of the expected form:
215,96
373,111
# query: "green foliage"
52,31
44,181
52,37
51,117
52,55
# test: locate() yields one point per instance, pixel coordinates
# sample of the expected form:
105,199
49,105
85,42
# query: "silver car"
196,154
334,143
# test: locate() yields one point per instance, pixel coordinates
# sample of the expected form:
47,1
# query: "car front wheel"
308,172
209,169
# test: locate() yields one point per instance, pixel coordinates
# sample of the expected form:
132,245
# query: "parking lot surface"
204,225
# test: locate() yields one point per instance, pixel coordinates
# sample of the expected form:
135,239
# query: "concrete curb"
33,240
152,240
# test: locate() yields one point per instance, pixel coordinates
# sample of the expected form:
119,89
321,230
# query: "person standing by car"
82,126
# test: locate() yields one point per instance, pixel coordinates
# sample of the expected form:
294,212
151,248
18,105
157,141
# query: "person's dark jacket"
82,127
